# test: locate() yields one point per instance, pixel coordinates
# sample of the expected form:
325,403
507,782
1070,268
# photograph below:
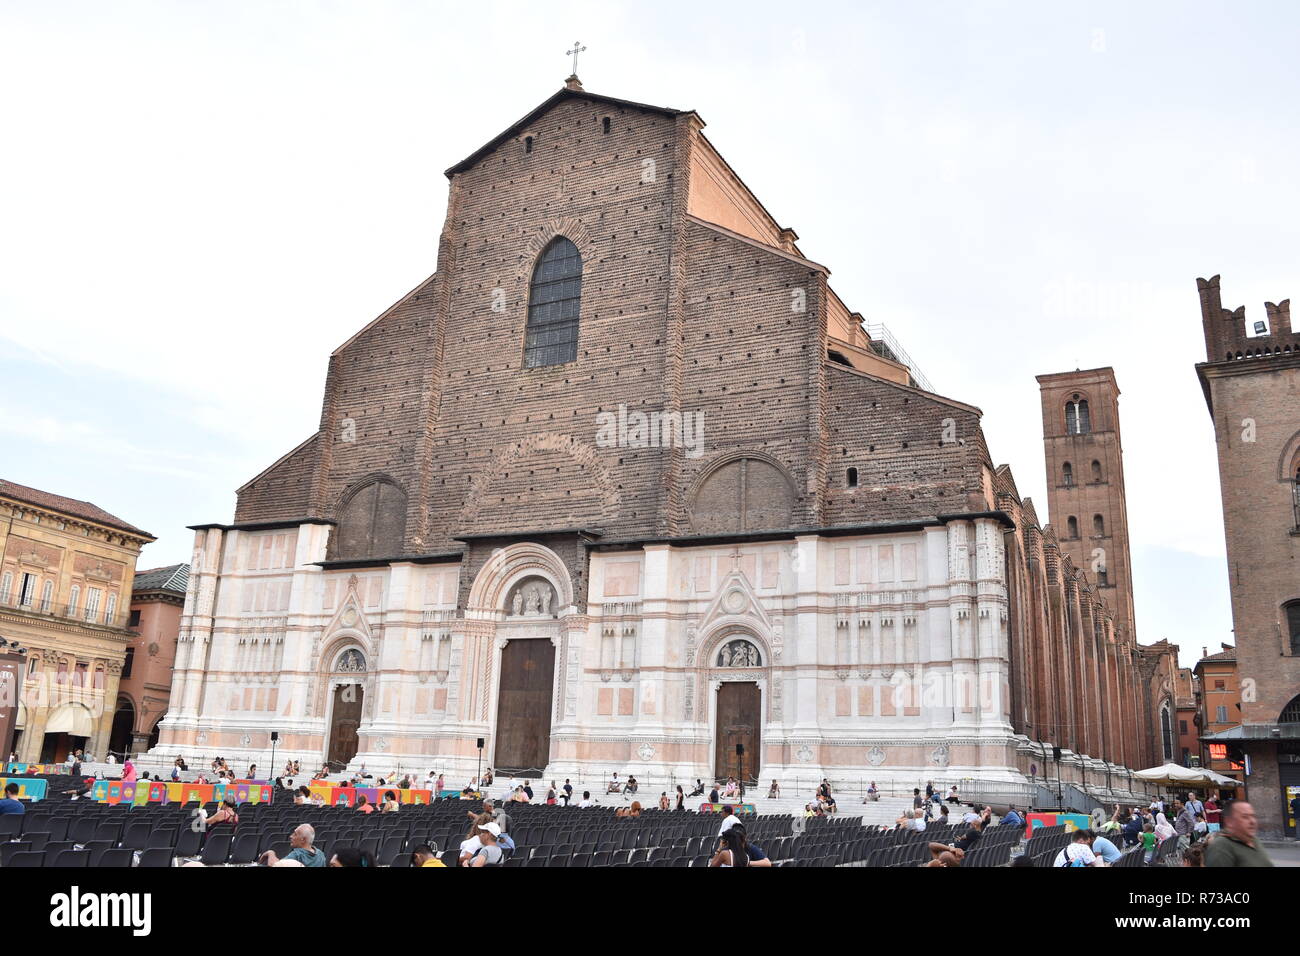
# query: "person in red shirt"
364,805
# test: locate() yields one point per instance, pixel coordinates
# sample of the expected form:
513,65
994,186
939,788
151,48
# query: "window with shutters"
554,300
73,599
93,597
6,586
47,597
1221,714
27,593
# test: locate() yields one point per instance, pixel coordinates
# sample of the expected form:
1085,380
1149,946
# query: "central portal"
523,729
739,712
346,720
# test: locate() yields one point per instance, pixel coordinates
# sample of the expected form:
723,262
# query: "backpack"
1075,861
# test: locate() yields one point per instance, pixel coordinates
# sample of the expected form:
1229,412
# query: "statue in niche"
738,654
351,662
532,597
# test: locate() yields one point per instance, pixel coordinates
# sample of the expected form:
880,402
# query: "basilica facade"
624,485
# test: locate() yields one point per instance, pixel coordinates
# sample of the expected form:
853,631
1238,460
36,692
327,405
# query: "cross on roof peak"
577,48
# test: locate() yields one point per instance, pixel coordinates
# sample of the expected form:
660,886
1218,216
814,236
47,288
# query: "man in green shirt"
1235,844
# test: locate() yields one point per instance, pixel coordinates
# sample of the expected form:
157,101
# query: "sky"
199,201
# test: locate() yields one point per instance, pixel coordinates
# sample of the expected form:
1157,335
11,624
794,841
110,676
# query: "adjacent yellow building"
65,595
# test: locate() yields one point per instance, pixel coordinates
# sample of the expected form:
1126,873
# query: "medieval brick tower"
1252,388
1085,481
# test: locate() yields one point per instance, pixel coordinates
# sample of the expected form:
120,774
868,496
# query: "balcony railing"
69,612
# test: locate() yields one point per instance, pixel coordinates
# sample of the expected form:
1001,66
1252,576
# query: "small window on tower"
528,144
1072,527
1096,471
852,478
604,126
1098,526
1067,474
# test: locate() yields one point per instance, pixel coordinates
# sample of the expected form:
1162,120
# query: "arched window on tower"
1077,419
1096,471
1099,526
1072,527
1293,625
554,298
1067,474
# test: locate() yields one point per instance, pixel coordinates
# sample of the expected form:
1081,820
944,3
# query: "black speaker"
740,750
275,735
480,743
1056,754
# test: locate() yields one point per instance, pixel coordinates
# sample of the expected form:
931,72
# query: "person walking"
1235,845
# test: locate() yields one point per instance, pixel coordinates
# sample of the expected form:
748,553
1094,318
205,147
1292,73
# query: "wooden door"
346,720
739,721
523,731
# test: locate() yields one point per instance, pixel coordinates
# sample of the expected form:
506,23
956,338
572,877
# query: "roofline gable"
562,94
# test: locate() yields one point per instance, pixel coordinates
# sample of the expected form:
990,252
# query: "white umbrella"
1219,780
1171,774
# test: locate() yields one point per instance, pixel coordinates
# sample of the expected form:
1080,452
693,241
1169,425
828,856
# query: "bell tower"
1085,481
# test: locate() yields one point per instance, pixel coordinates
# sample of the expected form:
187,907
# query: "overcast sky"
199,201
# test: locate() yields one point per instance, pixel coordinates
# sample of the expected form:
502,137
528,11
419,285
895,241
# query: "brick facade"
1252,388
842,519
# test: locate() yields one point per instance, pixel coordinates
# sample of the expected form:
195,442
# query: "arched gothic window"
1067,474
1072,527
554,299
1165,731
1077,419
1096,470
1099,526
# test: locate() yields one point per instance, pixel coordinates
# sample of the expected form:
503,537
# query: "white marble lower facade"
864,656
